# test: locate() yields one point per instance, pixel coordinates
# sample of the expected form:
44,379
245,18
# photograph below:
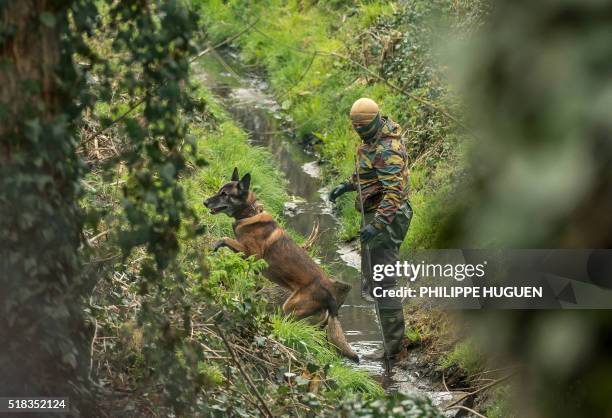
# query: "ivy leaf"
168,171
47,19
301,381
70,359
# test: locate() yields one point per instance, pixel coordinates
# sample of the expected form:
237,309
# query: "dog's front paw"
218,244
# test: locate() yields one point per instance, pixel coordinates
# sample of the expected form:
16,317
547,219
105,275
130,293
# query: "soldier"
383,180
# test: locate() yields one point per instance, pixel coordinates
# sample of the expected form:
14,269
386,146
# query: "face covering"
368,132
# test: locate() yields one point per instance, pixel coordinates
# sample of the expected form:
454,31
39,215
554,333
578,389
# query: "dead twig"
91,347
467,395
467,409
247,378
312,238
492,371
95,238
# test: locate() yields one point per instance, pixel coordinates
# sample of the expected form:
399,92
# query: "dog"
312,291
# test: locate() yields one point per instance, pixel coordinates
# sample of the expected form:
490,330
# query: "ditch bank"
246,97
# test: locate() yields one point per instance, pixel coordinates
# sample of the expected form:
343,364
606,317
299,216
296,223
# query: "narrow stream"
245,97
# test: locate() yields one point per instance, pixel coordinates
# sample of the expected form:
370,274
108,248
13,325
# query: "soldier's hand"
338,191
368,232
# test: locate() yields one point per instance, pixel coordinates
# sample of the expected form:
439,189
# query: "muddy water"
246,97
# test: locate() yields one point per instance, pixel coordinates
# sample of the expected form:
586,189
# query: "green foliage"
42,325
466,355
413,335
349,380
304,337
398,405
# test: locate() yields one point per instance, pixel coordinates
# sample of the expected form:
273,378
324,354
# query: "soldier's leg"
390,308
385,250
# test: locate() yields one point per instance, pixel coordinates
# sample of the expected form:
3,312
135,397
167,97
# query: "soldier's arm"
389,172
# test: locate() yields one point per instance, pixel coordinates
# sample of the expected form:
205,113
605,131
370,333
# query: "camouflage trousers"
384,249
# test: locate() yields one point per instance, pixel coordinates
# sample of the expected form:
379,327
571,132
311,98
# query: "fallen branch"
466,409
467,395
264,406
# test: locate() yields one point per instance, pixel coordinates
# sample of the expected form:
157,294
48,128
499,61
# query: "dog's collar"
252,210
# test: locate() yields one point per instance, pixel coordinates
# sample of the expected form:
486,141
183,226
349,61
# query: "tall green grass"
311,340
464,355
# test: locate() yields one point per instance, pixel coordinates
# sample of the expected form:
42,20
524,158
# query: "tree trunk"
42,333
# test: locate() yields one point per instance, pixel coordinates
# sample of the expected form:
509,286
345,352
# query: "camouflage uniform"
383,173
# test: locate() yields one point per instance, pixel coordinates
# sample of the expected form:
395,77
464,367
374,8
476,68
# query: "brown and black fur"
312,291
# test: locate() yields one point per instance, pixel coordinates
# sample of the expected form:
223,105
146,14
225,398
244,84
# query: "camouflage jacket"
383,172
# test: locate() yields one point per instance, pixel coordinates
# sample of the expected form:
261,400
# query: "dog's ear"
245,182
235,176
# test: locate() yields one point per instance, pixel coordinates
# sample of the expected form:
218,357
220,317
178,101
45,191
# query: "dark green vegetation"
47,270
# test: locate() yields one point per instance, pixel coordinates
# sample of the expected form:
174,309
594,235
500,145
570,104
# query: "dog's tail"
335,334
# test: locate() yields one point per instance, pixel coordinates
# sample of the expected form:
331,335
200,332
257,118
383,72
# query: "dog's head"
231,197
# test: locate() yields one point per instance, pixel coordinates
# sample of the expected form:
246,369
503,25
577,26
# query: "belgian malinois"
312,290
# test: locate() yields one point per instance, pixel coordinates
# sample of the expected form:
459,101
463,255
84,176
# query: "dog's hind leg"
314,299
302,304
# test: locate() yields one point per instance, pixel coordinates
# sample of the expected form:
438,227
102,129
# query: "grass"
499,405
311,340
464,355
319,99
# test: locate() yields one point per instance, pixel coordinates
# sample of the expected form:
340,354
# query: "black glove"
339,191
368,232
